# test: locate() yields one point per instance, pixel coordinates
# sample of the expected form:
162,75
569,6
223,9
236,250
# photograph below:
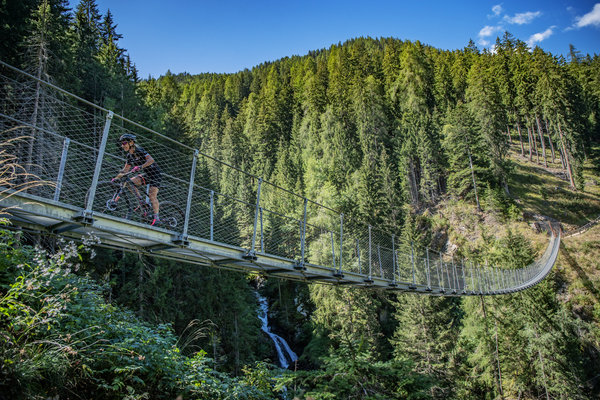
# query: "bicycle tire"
171,215
104,193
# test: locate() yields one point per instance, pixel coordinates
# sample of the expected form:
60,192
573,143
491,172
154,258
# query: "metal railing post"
303,236
455,278
61,168
440,280
448,277
497,278
341,240
369,279
358,253
212,215
485,277
379,260
262,236
464,277
333,250
251,254
394,260
188,204
87,213
472,280
412,259
428,271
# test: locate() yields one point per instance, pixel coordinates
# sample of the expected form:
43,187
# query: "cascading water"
285,354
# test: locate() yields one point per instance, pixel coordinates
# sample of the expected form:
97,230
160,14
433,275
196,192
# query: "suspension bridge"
218,215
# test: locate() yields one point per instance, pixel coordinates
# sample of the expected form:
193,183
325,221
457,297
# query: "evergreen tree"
485,104
468,159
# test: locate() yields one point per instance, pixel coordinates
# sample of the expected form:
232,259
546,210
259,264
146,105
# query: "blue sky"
228,36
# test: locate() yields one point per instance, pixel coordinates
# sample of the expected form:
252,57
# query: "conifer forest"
462,151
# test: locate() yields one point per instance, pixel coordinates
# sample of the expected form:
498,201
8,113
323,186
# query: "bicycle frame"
143,207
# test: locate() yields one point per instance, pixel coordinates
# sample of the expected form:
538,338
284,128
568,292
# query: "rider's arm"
125,170
149,161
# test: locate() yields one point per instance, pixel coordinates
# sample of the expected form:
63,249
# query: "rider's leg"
137,181
152,193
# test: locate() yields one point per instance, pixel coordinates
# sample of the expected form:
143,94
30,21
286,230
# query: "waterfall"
285,354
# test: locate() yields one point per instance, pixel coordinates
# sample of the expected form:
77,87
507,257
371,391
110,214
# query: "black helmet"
127,136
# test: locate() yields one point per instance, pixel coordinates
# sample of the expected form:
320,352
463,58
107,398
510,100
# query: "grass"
547,192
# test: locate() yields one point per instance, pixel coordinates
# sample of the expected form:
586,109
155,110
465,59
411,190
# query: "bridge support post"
369,279
61,169
440,279
379,261
86,215
412,260
464,277
251,254
428,271
393,261
341,242
262,234
339,273
333,250
303,239
188,205
212,215
358,254
455,278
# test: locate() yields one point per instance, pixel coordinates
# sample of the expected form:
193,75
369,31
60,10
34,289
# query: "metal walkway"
229,218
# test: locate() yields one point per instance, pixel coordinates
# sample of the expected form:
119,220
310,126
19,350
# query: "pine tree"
468,159
485,104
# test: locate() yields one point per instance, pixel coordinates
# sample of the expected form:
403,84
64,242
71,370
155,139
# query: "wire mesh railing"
73,143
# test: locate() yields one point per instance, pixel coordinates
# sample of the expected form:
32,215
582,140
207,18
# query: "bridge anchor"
85,217
250,255
181,240
299,266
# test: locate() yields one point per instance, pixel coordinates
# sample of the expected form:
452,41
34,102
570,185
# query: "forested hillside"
460,151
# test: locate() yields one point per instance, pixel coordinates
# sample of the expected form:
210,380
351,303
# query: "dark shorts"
152,178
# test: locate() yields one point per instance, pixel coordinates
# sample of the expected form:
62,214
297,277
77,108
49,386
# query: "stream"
285,354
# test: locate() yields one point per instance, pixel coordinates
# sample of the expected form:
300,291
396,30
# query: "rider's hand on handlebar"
136,169
115,180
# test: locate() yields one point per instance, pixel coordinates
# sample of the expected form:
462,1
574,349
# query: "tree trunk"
520,138
550,141
530,143
496,361
473,177
237,343
498,358
509,137
541,364
567,158
539,127
537,155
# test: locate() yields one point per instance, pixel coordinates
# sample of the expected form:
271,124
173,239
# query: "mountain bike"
119,198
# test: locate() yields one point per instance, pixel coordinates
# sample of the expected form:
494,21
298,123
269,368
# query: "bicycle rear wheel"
171,215
104,202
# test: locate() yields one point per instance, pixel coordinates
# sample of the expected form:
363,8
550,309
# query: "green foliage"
350,375
59,336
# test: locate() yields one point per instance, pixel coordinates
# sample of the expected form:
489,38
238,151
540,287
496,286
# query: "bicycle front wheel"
106,202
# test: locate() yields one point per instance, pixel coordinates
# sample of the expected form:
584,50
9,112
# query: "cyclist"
139,159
